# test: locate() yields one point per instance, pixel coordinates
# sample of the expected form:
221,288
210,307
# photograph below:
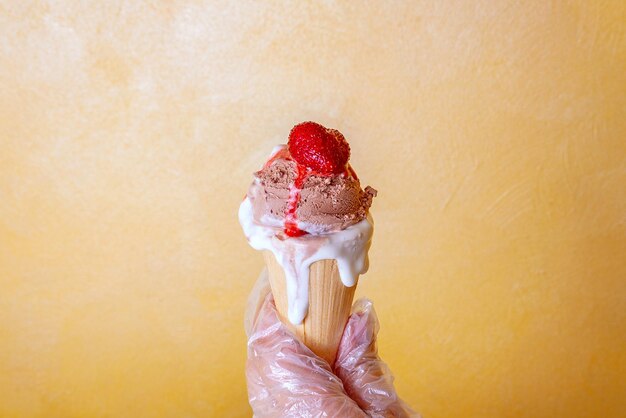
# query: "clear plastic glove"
286,379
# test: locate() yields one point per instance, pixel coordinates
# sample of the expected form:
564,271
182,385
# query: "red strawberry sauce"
291,220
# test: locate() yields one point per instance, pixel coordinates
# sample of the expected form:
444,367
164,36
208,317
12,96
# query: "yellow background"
495,133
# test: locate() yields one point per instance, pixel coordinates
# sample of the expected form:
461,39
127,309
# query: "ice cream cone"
306,210
330,302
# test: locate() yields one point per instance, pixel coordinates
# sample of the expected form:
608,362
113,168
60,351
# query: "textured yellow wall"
495,133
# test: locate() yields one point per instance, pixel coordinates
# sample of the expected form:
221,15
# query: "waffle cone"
330,302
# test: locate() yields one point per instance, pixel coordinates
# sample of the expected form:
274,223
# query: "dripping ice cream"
304,206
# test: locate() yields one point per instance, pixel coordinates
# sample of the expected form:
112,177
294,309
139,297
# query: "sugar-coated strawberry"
323,150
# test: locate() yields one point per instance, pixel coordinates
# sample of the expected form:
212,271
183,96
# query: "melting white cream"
296,254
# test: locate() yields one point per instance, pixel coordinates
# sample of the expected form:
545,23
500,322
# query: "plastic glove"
286,379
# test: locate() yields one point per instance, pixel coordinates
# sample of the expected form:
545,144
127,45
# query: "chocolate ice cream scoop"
327,202
307,186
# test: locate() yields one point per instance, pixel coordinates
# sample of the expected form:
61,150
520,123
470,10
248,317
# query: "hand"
286,379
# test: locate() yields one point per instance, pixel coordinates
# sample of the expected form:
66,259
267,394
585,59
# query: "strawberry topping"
320,149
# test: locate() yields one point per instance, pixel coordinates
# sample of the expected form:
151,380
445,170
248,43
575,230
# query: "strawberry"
323,150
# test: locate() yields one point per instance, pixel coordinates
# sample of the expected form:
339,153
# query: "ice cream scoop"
306,209
316,204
